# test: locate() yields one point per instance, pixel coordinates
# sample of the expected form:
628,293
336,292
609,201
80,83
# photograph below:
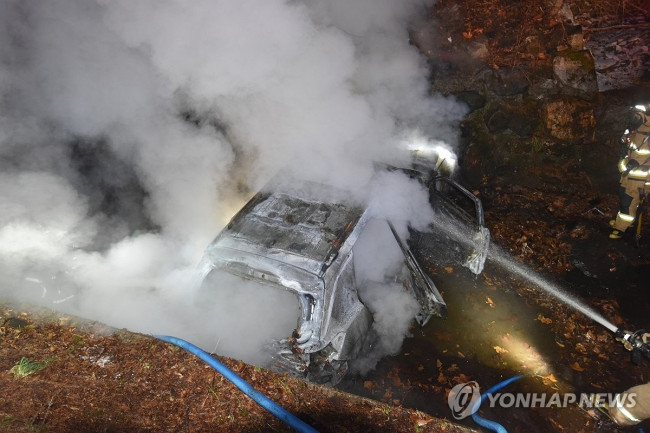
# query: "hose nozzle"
636,342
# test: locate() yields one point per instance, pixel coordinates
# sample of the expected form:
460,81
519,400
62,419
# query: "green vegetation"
25,367
76,343
536,145
213,391
11,422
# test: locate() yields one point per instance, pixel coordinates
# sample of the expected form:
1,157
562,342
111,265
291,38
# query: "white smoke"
128,128
379,262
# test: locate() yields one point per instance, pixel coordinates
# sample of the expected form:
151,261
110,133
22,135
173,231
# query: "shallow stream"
491,333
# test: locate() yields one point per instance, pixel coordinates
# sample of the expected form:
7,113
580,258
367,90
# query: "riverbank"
83,376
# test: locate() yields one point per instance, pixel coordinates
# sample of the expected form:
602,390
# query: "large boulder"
576,70
506,81
569,119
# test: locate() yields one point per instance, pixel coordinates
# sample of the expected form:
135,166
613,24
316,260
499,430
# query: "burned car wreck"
304,241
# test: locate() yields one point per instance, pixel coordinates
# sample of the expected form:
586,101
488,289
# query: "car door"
458,234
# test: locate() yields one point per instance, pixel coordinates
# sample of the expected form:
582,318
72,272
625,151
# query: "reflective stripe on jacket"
638,154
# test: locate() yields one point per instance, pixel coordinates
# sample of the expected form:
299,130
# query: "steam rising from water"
127,128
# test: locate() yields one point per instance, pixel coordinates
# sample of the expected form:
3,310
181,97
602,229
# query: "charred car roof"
290,227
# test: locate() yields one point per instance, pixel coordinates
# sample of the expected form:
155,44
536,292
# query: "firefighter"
633,406
634,167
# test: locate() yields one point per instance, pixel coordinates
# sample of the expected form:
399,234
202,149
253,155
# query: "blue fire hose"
492,425
259,398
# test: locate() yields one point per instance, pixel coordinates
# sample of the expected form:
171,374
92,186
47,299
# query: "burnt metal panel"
304,232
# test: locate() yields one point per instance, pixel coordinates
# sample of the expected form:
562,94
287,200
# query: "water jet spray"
636,342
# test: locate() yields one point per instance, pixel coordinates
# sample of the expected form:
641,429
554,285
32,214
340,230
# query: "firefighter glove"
624,338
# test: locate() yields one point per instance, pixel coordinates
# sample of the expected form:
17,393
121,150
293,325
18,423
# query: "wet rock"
576,38
543,88
568,119
507,119
523,124
506,81
564,14
497,121
613,119
621,57
575,69
473,100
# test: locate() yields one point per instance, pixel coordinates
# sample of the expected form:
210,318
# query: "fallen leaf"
557,425
461,378
551,378
396,380
577,367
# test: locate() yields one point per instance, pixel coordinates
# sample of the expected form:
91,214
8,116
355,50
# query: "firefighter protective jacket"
636,164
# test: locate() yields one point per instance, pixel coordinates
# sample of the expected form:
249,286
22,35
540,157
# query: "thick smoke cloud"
131,131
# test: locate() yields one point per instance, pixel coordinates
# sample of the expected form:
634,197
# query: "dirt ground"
84,377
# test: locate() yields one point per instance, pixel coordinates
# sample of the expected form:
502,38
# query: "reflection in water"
492,325
491,333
